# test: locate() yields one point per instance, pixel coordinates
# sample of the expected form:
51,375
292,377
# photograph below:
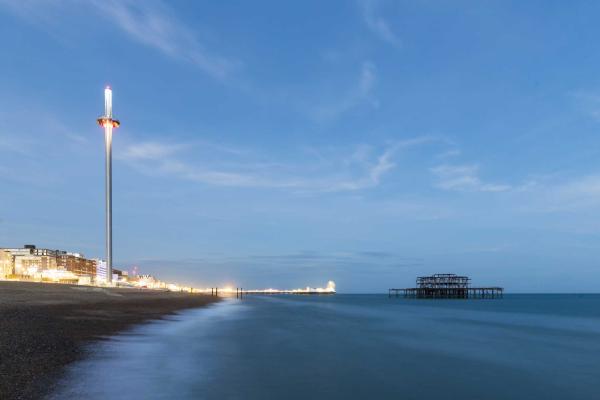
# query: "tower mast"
108,123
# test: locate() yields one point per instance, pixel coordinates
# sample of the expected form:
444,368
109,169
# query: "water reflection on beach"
354,346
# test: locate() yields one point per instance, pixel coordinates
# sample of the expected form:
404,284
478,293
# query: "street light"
108,123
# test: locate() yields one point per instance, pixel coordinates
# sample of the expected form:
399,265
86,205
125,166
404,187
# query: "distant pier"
241,292
276,291
446,286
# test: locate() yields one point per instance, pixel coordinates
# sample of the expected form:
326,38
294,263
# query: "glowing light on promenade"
108,123
330,289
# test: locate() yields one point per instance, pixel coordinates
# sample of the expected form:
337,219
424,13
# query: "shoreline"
44,327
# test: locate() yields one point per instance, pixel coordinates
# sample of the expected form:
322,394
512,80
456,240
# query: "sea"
536,346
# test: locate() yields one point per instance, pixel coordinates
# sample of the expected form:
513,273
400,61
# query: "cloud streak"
577,193
150,22
377,24
364,169
153,24
361,93
150,151
464,178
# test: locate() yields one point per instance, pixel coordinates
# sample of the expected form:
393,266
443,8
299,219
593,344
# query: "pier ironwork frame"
446,286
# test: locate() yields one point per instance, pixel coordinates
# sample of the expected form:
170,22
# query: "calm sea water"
354,346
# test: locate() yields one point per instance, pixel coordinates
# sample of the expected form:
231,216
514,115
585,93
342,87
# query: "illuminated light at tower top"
107,119
108,102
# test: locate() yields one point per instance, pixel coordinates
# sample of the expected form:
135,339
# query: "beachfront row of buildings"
34,264
31,263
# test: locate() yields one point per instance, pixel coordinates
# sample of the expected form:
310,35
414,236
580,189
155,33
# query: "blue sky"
288,143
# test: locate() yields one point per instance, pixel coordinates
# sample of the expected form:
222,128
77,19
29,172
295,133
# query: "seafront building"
76,263
32,263
28,264
100,270
6,264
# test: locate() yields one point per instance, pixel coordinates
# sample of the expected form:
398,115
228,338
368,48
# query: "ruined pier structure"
446,286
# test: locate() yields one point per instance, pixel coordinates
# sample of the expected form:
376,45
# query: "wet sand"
44,327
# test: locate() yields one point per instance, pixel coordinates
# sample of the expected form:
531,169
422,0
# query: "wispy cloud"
360,93
363,169
150,151
377,24
152,23
464,178
586,187
374,171
577,193
449,153
149,22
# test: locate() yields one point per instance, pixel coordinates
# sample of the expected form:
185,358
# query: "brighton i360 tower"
108,123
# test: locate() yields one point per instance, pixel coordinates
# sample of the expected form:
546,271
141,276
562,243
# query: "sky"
285,144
